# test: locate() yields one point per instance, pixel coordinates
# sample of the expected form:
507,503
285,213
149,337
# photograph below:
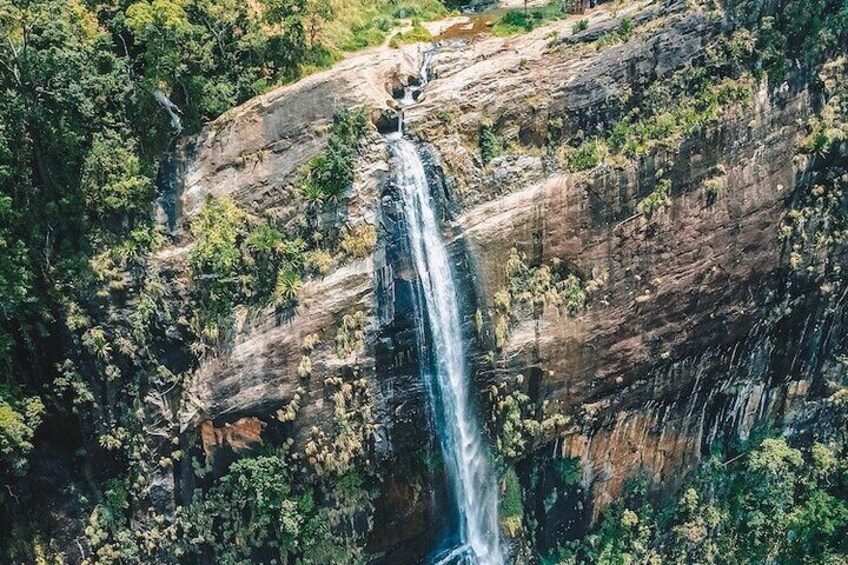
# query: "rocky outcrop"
253,152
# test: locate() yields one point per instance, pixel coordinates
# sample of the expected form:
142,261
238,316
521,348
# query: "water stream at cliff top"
470,477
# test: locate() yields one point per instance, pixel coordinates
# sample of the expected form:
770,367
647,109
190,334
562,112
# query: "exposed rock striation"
698,332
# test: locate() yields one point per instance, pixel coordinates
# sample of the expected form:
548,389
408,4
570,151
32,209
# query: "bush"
446,116
625,29
713,190
114,180
492,145
589,155
657,200
582,25
326,177
239,260
358,241
772,503
511,507
19,418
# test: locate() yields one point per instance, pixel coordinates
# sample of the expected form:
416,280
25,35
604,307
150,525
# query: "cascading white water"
461,439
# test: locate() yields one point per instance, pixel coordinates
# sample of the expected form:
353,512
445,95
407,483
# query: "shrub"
492,145
511,507
19,418
513,21
589,155
657,200
319,262
287,287
446,116
625,29
582,25
570,470
326,177
217,230
350,336
358,241
713,190
114,180
608,39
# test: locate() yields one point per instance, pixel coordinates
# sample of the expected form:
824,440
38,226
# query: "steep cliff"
660,310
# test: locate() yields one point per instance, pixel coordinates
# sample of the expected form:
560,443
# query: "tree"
318,13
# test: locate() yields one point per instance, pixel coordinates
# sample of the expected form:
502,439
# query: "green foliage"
337,451
358,241
806,32
569,470
358,24
712,188
350,336
675,108
446,116
15,278
543,285
82,132
514,21
326,177
217,231
262,509
815,230
588,156
511,506
417,34
513,423
657,200
492,144
520,21
530,289
255,507
114,181
771,504
625,29
621,34
19,417
581,25
208,56
236,260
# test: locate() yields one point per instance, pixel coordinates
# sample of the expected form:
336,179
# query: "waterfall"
472,484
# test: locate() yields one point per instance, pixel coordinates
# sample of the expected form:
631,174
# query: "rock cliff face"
696,333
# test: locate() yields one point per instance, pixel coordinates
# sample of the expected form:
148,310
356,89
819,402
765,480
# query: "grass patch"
417,34
521,21
359,24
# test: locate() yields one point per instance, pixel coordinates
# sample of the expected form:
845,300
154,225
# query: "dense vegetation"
92,96
772,503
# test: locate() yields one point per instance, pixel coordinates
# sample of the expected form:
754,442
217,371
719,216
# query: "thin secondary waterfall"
470,478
